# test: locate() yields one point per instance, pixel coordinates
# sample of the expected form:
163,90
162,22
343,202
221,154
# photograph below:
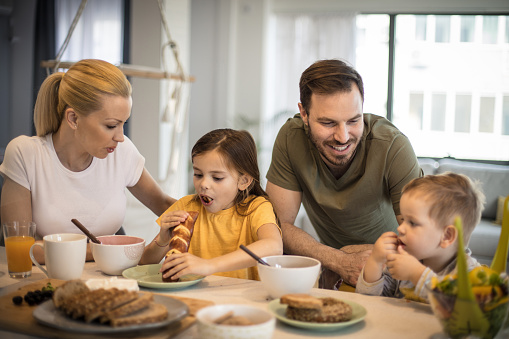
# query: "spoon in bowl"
85,230
257,258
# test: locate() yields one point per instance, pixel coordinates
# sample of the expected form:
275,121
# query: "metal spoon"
86,231
257,258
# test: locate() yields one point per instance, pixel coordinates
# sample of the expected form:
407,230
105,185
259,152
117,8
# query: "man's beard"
337,161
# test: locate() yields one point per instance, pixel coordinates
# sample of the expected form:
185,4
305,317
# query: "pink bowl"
116,253
119,240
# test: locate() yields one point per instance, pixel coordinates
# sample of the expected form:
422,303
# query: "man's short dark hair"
328,77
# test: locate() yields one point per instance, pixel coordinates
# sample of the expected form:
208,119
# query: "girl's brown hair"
84,87
238,150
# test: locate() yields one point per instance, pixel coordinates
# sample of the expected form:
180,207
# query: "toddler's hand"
385,245
404,266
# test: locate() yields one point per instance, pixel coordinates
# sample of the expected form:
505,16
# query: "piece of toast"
115,301
152,314
86,303
303,307
300,300
113,306
67,290
129,308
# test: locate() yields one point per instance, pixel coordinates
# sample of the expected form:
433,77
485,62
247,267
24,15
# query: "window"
89,39
450,91
462,116
467,28
462,74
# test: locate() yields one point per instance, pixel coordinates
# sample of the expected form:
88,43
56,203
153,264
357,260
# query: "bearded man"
346,167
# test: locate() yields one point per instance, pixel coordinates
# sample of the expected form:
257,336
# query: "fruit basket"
490,291
475,303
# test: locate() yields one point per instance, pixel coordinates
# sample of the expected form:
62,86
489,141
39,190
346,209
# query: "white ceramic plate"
47,314
149,276
279,310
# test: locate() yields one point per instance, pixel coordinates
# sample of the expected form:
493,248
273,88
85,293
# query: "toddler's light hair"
450,195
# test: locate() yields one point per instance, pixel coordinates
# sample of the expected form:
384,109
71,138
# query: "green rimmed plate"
149,276
279,311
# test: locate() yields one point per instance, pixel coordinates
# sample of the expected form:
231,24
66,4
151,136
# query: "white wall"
222,44
149,132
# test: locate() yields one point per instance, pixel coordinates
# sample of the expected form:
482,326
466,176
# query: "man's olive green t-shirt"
361,205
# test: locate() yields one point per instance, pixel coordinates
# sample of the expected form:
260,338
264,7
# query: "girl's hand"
185,263
385,245
404,266
168,221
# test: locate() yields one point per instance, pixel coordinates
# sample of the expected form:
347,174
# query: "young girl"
233,210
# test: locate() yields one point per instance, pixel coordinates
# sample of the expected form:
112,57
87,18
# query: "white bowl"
264,322
297,274
117,253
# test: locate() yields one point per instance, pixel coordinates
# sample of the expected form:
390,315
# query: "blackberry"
17,300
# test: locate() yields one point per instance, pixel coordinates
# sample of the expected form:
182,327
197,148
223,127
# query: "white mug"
65,255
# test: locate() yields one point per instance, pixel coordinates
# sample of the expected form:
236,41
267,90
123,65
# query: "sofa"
494,182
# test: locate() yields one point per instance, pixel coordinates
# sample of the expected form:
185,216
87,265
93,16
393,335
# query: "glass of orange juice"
19,236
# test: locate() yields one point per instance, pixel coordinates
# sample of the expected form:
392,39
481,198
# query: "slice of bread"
152,314
128,308
113,302
113,306
299,300
304,307
67,290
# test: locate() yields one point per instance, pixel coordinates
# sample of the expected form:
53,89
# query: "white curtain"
98,33
296,41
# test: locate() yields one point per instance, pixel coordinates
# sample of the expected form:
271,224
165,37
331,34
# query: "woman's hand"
180,264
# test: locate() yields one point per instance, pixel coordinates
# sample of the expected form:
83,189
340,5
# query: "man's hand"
349,261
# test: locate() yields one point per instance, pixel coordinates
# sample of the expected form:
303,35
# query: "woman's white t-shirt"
95,196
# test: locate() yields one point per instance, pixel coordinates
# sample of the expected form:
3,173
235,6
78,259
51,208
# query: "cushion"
494,180
428,165
484,239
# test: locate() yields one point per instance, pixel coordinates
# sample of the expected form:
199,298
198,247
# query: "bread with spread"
304,307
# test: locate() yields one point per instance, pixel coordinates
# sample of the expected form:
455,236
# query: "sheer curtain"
98,34
296,41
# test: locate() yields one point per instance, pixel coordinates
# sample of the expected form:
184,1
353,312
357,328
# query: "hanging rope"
173,113
69,33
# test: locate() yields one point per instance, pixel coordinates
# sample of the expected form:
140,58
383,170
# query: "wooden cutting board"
18,318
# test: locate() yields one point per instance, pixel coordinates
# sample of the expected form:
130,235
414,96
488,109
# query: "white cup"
65,255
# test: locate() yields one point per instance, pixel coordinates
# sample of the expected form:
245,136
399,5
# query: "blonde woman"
80,162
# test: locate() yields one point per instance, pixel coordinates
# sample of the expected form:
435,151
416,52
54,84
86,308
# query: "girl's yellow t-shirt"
216,234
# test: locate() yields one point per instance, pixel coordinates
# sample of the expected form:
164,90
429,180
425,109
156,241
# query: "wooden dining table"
385,318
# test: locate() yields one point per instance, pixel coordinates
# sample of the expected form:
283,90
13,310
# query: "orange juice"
18,253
